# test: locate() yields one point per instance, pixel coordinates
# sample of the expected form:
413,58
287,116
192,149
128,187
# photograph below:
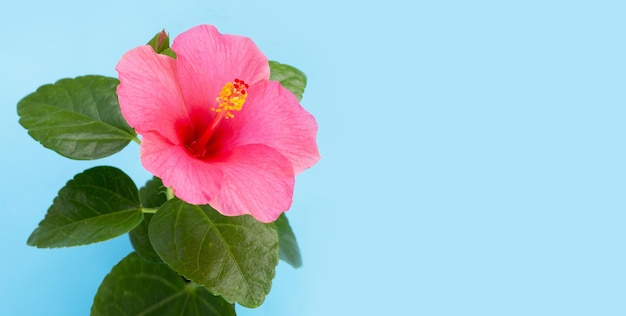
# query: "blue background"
473,151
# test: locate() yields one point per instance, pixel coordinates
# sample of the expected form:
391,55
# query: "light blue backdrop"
473,151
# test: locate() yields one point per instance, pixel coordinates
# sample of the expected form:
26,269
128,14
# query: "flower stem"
148,210
169,193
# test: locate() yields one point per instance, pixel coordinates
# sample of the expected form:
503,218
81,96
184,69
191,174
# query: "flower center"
231,98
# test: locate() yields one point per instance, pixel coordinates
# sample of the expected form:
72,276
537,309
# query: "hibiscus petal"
193,181
258,181
273,117
149,94
207,60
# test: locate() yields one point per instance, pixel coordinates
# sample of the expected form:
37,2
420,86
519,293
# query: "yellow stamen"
231,98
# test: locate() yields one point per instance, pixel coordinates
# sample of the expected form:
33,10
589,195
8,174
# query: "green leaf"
136,287
98,204
78,118
152,196
234,257
288,246
289,77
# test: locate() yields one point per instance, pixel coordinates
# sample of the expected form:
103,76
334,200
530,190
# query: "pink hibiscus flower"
214,127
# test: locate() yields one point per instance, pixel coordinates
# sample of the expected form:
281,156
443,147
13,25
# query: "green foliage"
152,196
98,204
137,287
288,246
234,257
78,118
289,77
